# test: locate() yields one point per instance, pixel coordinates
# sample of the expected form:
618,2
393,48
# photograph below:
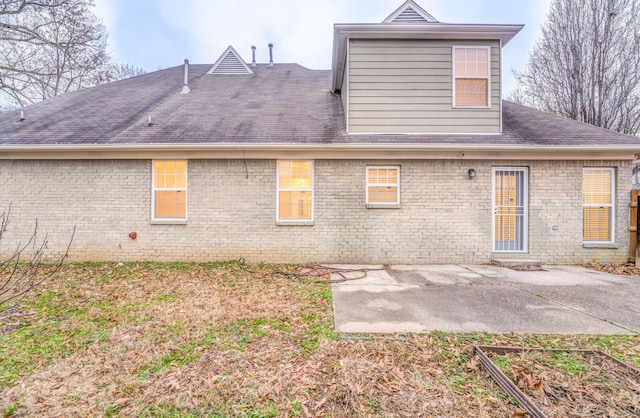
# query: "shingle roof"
285,103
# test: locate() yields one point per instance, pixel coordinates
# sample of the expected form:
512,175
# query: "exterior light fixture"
472,173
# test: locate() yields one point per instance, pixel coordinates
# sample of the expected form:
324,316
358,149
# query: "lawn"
238,340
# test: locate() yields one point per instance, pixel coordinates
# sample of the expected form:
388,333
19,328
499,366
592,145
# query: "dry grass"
233,340
574,384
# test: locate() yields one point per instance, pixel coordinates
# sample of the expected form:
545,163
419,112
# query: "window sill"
294,222
383,206
604,245
472,107
509,252
169,222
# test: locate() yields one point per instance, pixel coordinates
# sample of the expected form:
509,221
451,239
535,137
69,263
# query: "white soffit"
410,13
230,62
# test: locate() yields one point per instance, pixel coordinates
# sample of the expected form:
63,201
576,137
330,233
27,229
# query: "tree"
50,47
586,65
121,71
21,272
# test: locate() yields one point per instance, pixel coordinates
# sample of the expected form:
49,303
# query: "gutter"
321,151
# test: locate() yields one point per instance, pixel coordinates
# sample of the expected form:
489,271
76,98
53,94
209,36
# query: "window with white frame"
169,190
295,191
598,204
471,80
383,185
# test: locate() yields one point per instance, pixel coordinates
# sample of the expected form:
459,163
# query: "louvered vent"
230,63
409,16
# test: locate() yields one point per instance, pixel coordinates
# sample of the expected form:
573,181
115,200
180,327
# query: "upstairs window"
170,190
383,185
598,187
295,191
471,82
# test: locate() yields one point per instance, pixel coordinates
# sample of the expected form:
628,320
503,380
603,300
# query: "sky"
155,34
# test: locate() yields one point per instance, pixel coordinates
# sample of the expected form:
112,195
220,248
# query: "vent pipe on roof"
21,115
149,123
253,51
270,55
185,86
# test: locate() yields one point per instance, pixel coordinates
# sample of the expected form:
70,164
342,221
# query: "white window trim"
453,76
153,195
295,221
612,221
367,185
525,232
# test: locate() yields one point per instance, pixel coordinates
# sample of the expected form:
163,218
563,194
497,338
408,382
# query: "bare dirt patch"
225,339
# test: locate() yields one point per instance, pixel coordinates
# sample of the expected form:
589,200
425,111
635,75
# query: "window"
170,190
383,185
295,191
598,186
471,68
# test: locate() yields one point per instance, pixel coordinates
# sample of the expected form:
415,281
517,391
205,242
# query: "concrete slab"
512,262
465,298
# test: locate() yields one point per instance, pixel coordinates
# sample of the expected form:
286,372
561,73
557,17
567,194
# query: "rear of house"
402,153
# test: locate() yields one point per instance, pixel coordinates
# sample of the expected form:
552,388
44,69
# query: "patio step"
513,262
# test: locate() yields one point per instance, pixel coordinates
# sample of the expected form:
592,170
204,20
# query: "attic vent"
409,14
230,62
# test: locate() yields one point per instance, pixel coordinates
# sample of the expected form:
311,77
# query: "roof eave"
328,151
343,32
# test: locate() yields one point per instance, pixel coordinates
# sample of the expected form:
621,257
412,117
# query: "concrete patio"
466,298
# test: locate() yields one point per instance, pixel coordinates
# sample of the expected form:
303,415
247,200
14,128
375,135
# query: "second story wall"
407,86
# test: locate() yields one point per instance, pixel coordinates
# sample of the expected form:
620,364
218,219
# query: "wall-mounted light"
472,173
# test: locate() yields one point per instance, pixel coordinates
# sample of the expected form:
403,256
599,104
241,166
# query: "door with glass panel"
510,209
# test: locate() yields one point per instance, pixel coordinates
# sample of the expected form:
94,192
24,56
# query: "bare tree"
21,272
49,47
121,71
586,66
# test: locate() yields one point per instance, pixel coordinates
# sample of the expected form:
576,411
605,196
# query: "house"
403,153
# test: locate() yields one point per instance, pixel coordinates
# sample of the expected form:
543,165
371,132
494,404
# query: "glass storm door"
510,214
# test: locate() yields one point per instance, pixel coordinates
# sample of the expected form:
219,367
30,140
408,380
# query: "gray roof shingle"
286,103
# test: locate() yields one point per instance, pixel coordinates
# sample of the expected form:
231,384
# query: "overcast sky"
157,34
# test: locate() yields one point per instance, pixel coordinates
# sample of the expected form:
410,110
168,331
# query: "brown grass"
234,340
574,384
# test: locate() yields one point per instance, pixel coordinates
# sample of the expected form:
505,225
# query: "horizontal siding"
417,121
406,86
406,83
464,116
419,129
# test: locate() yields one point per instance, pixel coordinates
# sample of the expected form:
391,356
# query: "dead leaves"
193,338
575,384
628,269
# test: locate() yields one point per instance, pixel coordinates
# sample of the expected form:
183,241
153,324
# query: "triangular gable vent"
410,13
230,62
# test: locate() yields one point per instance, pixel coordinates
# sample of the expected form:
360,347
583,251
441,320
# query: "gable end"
410,13
230,62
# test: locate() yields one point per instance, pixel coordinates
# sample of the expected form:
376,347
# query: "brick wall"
444,217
